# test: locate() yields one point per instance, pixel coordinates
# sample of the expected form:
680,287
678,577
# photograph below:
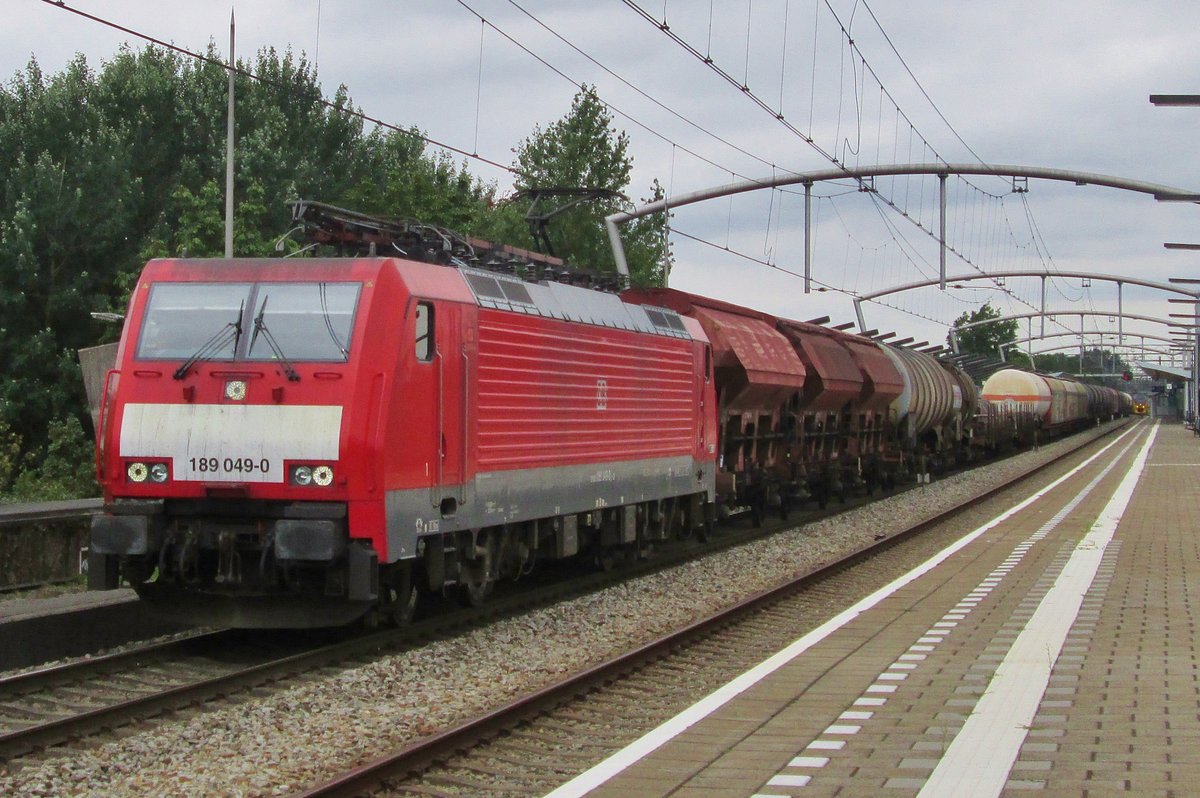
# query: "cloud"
1061,85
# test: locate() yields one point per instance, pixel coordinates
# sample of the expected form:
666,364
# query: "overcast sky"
1063,85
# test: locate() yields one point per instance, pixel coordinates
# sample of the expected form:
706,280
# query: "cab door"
450,349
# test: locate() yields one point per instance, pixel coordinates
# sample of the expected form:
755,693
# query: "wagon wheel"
400,597
756,513
605,557
477,578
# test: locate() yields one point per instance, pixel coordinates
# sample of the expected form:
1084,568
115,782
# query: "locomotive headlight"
137,472
302,475
323,476
158,472
235,390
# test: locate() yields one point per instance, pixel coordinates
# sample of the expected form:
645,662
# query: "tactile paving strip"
808,764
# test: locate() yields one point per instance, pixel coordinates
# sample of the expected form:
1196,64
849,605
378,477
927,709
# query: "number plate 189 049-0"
225,466
231,443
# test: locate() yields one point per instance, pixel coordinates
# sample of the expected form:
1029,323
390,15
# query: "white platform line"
789,781
809,762
655,738
981,756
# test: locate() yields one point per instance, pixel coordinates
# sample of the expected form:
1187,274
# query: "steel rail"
22,741
419,755
38,678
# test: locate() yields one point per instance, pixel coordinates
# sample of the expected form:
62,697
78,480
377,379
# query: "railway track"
541,740
47,706
77,701
70,701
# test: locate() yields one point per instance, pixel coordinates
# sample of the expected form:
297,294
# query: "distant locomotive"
298,443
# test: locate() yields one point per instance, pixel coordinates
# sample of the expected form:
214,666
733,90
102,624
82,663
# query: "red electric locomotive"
295,443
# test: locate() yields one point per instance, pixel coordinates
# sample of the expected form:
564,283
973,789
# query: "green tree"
1096,360
66,469
101,170
584,150
400,180
986,339
67,207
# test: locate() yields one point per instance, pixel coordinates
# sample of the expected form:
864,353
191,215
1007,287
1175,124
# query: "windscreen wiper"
260,327
333,336
230,332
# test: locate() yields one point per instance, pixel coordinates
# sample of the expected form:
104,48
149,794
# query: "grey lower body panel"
508,497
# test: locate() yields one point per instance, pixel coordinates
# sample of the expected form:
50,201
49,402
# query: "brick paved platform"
1055,654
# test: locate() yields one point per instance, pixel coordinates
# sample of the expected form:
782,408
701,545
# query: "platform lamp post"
1192,101
1193,332
229,149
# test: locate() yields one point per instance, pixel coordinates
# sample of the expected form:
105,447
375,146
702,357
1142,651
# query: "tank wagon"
1030,404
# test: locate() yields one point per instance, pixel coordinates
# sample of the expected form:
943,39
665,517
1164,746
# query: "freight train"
306,442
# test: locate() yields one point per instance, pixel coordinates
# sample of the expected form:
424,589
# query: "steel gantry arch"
860,173
1121,281
1074,334
1046,313
1158,352
1142,337
1053,349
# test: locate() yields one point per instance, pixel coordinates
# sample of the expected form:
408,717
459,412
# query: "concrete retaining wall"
41,551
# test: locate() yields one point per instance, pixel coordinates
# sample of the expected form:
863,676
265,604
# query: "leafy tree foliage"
1095,361
101,170
584,150
1018,360
985,339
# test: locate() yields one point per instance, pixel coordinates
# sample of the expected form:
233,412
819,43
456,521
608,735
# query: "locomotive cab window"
182,317
238,321
424,332
308,321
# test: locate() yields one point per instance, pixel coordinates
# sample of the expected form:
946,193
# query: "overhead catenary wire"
473,153
645,95
61,4
781,119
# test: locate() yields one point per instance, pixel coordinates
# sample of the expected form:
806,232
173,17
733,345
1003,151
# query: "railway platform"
1050,651
38,630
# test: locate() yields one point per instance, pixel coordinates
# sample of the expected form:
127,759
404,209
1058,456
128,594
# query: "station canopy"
1160,372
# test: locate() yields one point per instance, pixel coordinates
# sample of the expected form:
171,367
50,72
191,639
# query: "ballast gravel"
331,721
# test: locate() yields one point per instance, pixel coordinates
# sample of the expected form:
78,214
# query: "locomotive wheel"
605,558
476,579
401,597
